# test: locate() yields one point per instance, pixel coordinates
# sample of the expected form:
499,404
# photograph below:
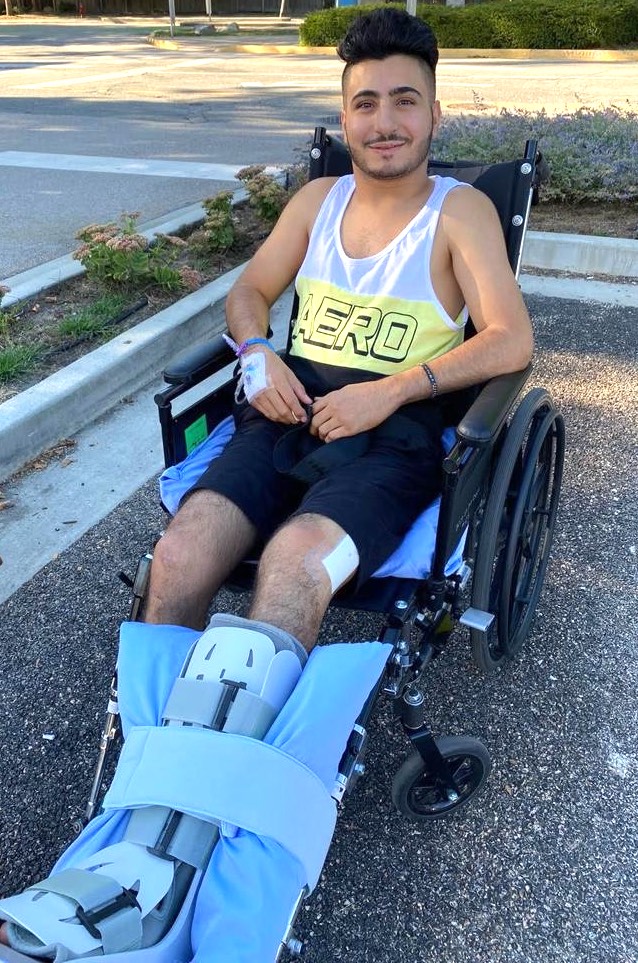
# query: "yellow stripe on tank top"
376,333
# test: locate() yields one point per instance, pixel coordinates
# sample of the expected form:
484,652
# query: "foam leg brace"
255,822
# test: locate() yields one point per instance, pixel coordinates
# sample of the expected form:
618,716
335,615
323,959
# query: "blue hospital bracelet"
240,349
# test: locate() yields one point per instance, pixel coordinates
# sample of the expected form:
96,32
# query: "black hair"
386,31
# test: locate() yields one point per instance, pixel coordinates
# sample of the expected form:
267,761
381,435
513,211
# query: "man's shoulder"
309,198
318,188
465,201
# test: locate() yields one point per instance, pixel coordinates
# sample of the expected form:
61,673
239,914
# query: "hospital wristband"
240,349
430,376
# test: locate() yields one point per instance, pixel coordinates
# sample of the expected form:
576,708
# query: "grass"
17,360
95,320
7,318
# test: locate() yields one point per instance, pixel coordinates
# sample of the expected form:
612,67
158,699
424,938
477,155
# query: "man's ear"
342,121
436,117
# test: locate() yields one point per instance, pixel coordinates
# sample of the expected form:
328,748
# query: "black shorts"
374,498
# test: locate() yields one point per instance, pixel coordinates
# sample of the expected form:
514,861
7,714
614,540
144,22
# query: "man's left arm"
503,340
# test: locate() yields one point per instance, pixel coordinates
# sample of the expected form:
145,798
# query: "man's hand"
285,395
353,409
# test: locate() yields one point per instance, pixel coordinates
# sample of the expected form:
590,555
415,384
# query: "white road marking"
120,165
117,74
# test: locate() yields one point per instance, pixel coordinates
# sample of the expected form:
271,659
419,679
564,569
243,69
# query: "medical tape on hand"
341,562
253,374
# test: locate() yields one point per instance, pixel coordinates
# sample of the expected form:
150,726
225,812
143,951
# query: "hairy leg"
205,541
293,585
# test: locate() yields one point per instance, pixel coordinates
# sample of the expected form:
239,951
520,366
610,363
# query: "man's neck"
400,191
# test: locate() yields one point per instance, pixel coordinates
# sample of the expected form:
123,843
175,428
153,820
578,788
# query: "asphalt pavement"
541,868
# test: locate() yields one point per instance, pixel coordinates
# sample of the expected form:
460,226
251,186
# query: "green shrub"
541,24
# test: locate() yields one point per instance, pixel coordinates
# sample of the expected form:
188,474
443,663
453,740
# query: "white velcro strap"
226,778
107,910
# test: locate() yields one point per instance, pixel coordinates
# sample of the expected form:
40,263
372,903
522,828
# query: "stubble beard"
390,172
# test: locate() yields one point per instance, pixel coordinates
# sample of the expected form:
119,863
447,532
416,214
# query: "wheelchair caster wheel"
420,795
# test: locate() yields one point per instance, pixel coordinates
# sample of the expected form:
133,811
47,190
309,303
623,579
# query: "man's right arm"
264,279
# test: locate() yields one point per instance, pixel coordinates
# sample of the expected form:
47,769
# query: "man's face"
389,115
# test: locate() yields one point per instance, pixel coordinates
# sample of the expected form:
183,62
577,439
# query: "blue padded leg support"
238,910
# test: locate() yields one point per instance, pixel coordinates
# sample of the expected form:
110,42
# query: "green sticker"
195,433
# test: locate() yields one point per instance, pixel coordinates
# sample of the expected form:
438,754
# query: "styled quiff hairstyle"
386,31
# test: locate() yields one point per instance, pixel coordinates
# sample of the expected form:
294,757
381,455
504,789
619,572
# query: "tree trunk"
7,4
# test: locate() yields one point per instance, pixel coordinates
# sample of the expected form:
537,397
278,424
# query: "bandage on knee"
341,562
236,679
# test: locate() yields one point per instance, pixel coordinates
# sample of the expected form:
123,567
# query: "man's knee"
315,546
174,550
205,525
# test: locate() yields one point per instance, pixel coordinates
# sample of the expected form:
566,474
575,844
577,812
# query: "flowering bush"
117,255
217,233
267,195
592,155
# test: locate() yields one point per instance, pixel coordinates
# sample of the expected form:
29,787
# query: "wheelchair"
500,493
485,567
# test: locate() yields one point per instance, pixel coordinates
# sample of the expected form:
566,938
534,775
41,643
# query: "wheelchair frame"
501,485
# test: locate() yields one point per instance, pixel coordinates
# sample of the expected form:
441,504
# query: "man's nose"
385,117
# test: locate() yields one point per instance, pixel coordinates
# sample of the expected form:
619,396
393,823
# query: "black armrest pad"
483,420
193,365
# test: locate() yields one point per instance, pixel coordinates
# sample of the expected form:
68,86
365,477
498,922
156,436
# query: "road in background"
80,100
541,867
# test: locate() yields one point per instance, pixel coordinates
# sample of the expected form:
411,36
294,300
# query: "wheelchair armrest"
482,422
196,364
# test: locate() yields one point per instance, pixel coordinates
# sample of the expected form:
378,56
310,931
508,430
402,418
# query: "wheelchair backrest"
510,185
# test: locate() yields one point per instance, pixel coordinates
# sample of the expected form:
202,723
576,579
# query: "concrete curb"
581,254
75,396
446,53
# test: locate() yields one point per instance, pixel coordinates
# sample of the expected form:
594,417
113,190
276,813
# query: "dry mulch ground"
38,318
604,220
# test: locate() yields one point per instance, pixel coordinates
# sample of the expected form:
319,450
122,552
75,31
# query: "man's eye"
363,105
406,102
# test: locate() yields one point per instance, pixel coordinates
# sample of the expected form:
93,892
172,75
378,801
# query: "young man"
388,263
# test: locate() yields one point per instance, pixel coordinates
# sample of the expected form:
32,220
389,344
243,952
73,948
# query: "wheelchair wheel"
517,528
420,796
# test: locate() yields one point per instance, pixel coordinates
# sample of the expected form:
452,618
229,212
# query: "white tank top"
362,318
